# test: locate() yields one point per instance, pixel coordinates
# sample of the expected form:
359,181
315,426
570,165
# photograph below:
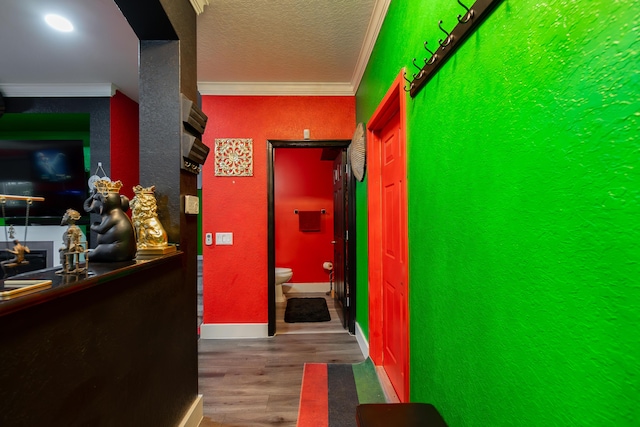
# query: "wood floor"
256,382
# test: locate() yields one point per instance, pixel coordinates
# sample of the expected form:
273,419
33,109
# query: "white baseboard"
194,415
212,331
295,288
362,341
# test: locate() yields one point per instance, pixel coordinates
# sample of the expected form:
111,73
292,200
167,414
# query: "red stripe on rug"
314,405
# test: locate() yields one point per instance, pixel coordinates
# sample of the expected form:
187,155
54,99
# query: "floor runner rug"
331,392
306,310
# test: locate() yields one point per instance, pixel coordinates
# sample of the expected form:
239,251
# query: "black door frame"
349,226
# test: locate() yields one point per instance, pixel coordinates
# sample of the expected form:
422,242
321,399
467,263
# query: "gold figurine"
18,252
150,234
73,245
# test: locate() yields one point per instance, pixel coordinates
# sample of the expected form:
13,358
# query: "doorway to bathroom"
340,213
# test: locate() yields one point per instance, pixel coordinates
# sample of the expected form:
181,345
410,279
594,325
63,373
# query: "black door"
342,275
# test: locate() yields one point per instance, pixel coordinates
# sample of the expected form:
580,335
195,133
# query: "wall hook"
404,74
467,16
421,71
433,57
444,43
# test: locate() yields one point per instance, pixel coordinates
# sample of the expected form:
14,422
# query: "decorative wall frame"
234,157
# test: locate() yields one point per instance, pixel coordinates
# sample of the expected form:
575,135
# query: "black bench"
398,415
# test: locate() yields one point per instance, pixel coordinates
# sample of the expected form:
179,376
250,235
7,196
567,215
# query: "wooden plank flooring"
256,382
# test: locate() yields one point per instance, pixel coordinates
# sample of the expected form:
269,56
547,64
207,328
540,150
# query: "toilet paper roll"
327,266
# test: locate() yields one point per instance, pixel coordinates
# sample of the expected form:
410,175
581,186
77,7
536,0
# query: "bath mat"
306,310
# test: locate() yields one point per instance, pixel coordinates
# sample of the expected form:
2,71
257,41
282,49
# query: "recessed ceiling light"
59,23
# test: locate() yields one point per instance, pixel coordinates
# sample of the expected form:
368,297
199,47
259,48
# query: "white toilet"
283,275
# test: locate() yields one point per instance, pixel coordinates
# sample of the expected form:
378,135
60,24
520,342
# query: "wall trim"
63,90
294,288
198,5
375,24
194,414
362,341
212,331
275,89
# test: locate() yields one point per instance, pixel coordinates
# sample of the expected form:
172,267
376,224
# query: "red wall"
302,181
125,146
236,277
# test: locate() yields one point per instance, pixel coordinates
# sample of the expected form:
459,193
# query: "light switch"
224,238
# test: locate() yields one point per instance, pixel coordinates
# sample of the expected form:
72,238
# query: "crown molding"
275,89
375,24
198,5
64,90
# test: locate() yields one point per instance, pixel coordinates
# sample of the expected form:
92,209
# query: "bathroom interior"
304,232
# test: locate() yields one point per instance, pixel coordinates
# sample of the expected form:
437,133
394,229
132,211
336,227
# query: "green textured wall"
362,265
524,211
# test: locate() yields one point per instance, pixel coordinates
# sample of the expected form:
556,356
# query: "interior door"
340,261
394,256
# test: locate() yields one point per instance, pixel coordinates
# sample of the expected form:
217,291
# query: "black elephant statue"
116,237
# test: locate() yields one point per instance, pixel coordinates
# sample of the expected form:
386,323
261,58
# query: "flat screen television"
53,169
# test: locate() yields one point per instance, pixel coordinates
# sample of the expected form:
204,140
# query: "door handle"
333,242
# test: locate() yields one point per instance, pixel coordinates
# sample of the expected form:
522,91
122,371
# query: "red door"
393,254
388,269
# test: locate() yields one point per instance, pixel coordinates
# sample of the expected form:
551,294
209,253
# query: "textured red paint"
236,277
303,182
125,154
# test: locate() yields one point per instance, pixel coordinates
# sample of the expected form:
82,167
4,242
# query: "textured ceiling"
240,42
281,40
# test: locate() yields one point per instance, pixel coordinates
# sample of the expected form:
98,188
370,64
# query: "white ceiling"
244,47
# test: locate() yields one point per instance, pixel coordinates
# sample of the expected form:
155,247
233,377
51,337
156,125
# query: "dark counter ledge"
117,348
62,285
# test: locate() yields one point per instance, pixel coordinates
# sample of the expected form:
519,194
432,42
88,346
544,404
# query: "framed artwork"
234,157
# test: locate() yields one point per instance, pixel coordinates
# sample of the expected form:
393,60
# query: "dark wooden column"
167,33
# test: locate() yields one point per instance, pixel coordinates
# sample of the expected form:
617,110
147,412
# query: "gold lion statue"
149,231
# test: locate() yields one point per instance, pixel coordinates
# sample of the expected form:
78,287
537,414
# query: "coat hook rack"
467,16
467,24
